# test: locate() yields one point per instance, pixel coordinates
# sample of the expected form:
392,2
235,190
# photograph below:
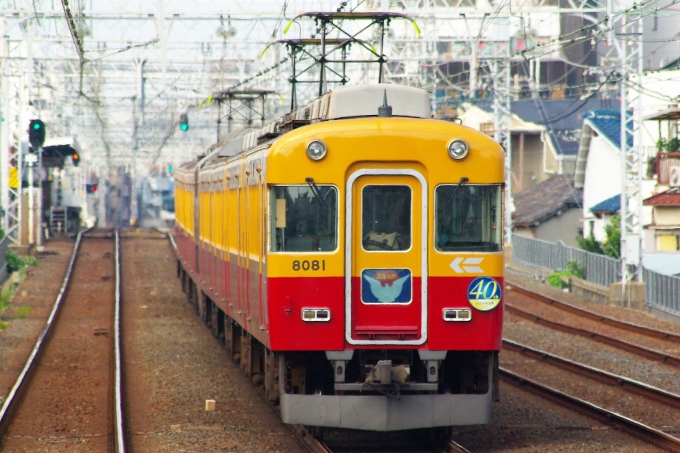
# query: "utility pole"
501,73
627,30
138,121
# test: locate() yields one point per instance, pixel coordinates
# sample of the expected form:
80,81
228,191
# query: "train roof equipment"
345,102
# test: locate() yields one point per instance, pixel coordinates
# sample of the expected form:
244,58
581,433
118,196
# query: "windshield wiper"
461,183
315,191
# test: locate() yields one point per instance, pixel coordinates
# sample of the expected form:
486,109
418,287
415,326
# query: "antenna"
384,110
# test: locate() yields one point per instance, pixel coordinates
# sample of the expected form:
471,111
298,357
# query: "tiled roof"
544,200
608,123
670,198
609,205
562,118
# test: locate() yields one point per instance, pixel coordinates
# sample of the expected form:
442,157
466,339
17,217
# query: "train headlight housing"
458,149
316,150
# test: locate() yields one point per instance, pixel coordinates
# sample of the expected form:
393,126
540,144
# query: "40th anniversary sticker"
484,293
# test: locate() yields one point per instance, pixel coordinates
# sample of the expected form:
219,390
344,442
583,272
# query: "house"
665,223
602,216
549,210
545,135
598,173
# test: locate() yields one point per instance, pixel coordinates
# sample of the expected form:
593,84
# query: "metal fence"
662,291
3,259
599,269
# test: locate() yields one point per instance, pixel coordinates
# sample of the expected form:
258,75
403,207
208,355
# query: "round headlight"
316,150
458,149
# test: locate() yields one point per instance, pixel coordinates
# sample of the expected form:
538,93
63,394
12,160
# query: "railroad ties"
539,381
70,388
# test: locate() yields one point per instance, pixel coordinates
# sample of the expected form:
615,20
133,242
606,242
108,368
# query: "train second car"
351,254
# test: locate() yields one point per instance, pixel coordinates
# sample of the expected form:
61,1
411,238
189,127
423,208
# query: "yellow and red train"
351,256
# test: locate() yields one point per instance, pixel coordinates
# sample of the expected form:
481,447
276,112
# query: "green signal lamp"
183,122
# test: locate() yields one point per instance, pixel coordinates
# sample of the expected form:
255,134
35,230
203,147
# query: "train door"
386,250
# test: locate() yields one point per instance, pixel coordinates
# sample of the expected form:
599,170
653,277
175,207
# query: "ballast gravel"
173,365
23,325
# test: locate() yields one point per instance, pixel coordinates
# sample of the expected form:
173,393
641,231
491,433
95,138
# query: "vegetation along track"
68,395
662,338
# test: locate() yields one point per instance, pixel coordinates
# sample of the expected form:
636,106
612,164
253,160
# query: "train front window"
386,218
468,220
304,218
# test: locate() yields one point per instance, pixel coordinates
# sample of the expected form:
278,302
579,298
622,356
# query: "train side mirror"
280,213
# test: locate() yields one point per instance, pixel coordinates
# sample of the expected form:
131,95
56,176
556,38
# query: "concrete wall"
533,171
564,227
666,215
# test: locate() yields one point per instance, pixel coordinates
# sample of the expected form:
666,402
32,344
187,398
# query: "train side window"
468,220
304,221
386,217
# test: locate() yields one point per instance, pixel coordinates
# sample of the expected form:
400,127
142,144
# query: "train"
350,255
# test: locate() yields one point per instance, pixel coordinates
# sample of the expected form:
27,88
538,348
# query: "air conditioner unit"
674,180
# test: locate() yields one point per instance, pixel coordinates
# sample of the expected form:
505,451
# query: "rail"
628,385
582,312
14,397
118,385
611,341
632,427
599,269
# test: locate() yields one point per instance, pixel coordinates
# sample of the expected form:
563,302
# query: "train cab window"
304,218
386,217
469,219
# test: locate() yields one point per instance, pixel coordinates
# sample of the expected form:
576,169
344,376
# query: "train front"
385,270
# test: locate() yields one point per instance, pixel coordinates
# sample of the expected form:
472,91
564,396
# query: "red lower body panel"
271,309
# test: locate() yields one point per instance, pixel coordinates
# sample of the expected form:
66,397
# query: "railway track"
618,343
624,383
70,389
631,327
639,430
633,427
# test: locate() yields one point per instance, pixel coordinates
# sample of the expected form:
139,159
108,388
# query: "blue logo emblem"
484,293
386,286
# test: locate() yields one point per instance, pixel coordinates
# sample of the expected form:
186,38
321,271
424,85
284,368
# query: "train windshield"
386,217
304,218
468,220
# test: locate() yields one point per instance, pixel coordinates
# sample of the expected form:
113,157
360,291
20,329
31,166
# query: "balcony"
664,163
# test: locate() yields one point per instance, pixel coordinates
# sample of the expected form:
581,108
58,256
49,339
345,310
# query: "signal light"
36,133
91,188
75,158
184,122
169,168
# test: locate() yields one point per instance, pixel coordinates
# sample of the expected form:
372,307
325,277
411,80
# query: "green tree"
590,244
612,244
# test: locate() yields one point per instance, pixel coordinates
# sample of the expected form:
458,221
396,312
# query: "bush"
590,244
4,300
561,278
672,145
576,269
15,262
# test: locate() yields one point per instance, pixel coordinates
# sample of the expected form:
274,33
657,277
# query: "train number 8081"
305,265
